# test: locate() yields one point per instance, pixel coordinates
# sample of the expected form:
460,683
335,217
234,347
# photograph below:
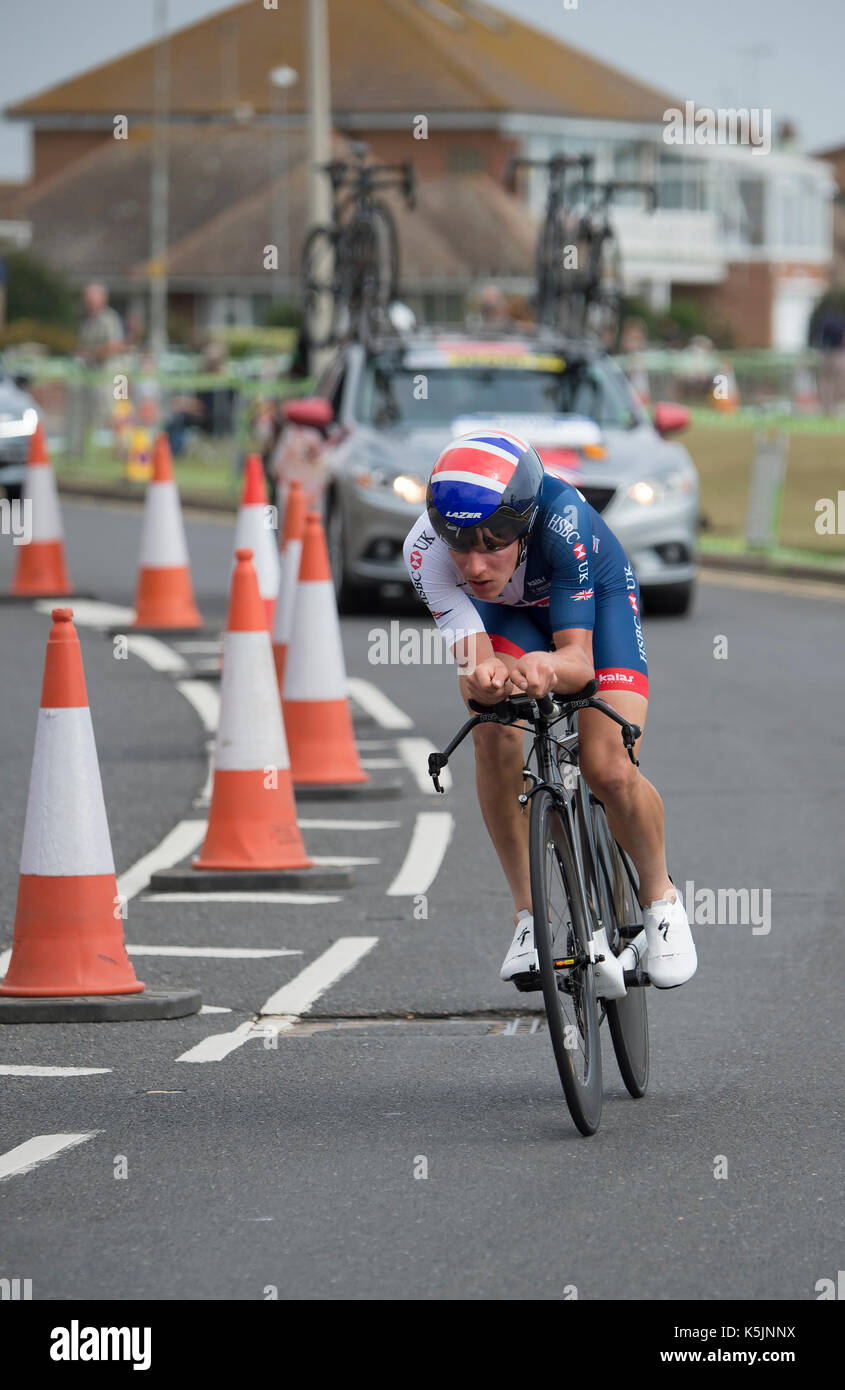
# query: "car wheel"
349,596
673,600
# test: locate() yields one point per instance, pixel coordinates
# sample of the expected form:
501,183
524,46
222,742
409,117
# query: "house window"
465,159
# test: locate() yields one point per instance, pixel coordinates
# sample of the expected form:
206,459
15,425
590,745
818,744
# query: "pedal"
528,982
628,933
635,979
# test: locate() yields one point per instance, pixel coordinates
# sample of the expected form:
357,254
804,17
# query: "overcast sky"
705,54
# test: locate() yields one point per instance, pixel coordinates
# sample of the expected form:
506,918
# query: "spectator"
100,338
831,372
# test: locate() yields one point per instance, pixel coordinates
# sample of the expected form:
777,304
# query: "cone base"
248,880
101,1008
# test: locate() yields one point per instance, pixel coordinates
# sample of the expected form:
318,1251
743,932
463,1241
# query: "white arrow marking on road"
205,700
429,842
212,952
373,702
292,899
182,840
291,1000
348,824
90,612
52,1071
415,753
39,1150
156,654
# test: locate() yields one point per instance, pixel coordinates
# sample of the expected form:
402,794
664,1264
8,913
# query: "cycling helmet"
484,487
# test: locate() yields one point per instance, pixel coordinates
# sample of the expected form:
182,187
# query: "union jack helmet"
484,487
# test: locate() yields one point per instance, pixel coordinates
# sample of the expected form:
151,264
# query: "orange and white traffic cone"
314,700
252,819
253,532
290,555
41,565
164,596
68,939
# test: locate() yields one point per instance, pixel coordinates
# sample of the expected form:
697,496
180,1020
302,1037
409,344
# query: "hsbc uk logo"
632,599
416,559
580,551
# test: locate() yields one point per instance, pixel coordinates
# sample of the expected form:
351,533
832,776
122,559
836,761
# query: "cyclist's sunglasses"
504,531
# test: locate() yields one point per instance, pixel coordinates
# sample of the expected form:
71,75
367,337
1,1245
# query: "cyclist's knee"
609,777
497,743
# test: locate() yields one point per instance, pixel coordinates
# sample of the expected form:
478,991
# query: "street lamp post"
282,78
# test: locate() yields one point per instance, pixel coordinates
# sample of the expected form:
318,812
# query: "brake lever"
436,764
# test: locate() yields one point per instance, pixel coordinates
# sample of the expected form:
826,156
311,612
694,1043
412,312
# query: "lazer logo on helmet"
463,516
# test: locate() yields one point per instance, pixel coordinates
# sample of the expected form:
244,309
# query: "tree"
35,290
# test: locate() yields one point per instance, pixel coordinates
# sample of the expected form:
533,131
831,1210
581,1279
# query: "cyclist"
534,593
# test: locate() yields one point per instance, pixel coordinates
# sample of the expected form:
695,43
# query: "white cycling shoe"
672,958
521,964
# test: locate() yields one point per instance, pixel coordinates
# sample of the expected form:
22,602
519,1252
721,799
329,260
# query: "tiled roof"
93,218
420,56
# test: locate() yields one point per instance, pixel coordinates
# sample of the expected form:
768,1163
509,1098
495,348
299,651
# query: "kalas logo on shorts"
633,602
580,551
416,559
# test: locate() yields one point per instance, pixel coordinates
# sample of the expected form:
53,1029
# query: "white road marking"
339,861
375,745
53,1071
415,753
291,1000
373,763
218,1046
37,1150
5,957
773,584
300,994
211,952
373,702
182,840
89,612
213,1009
429,842
192,646
348,824
205,700
155,652
292,899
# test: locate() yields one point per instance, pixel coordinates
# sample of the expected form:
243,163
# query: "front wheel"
563,943
622,917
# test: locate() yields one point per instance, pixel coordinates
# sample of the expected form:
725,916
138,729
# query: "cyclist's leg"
500,756
633,806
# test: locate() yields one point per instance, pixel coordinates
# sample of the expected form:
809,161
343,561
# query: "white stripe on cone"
66,830
315,668
251,734
251,531
285,603
163,543
40,487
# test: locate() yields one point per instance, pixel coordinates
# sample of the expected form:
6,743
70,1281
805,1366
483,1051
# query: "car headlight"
408,486
650,490
9,429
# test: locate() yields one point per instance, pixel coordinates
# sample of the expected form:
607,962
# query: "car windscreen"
393,393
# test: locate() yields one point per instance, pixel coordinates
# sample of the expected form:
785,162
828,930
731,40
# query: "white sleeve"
437,580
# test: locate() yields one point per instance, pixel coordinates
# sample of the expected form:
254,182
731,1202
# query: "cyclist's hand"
487,682
534,674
